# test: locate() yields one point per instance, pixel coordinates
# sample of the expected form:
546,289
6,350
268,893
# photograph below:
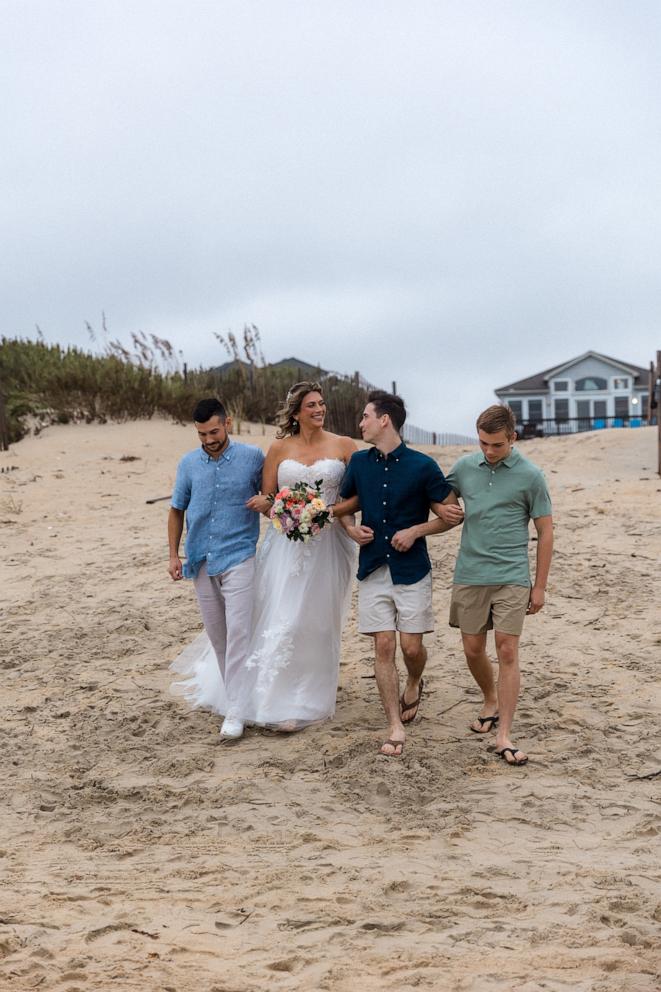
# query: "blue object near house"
589,392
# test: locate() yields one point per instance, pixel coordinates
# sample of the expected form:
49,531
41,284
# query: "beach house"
585,393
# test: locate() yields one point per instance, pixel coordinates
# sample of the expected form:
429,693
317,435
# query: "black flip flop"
493,720
513,751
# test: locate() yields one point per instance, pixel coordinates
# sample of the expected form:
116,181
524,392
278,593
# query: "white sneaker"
231,729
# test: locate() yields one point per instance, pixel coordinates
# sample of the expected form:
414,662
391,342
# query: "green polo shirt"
499,501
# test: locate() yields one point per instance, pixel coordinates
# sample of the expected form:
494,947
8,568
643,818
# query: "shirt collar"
511,459
226,455
396,454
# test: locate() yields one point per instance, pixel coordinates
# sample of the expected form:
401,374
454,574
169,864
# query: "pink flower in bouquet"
299,512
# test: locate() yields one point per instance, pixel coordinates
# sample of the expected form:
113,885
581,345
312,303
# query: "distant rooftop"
297,365
539,381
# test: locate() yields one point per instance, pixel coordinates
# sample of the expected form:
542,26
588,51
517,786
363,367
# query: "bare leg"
509,683
415,659
387,680
481,670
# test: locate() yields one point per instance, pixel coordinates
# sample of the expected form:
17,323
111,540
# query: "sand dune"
137,852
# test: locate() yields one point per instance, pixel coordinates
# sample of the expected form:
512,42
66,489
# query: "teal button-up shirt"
220,529
499,502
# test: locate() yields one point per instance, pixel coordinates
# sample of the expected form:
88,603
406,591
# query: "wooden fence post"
4,425
657,394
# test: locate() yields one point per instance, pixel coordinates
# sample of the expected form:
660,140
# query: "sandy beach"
138,852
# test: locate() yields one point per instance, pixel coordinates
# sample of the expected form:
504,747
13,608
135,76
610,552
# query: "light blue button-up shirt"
219,528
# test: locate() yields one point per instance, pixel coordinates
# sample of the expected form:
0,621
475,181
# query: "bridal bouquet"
299,512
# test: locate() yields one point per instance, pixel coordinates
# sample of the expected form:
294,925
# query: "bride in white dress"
301,589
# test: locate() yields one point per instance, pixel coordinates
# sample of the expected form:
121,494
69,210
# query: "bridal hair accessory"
310,387
299,512
292,390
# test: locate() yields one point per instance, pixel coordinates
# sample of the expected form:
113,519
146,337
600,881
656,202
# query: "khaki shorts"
382,605
477,609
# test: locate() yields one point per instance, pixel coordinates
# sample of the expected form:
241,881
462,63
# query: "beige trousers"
226,602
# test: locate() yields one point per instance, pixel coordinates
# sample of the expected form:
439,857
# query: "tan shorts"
476,609
382,605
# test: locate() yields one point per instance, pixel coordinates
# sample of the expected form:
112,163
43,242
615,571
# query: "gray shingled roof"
538,383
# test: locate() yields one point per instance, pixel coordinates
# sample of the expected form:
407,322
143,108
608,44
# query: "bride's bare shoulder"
344,445
286,447
277,450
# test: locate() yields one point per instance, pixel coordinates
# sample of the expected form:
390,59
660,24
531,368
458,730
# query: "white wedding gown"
301,600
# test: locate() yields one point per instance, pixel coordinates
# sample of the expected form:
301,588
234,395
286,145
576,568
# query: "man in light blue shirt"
212,488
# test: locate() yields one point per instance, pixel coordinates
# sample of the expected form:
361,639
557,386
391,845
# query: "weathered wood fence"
4,423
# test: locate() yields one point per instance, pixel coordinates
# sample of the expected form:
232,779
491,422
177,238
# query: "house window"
621,383
599,408
561,385
534,410
590,382
641,409
621,406
561,408
516,407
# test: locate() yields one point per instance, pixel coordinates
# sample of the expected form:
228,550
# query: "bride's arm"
343,507
264,501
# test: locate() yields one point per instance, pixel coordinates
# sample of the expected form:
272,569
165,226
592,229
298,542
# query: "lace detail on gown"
301,599
330,471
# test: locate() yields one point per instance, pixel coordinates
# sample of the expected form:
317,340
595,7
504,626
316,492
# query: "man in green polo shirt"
501,491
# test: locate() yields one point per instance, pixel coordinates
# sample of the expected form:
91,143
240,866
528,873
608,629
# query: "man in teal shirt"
501,491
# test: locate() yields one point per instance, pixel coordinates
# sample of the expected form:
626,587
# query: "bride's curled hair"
286,418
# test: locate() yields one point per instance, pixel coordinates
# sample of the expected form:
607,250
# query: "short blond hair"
498,417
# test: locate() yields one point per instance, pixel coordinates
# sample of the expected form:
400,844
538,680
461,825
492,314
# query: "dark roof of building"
297,366
304,367
539,382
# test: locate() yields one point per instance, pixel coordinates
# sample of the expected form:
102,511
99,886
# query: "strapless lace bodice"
329,470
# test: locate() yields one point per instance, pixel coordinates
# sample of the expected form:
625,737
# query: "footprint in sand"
111,928
286,964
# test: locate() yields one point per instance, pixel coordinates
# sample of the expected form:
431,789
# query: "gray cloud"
448,195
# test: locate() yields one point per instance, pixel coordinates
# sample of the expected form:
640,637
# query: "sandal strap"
489,719
513,751
416,702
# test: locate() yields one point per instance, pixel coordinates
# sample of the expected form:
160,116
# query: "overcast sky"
452,195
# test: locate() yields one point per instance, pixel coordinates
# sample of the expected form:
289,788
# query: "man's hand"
259,503
405,539
175,569
536,599
360,534
450,513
